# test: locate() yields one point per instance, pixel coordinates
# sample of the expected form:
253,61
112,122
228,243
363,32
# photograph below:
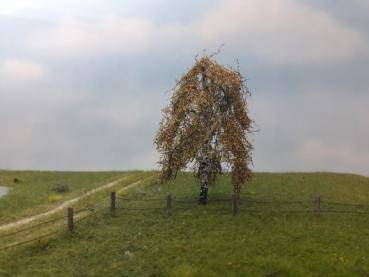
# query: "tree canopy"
206,125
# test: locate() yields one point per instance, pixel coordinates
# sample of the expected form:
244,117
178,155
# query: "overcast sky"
83,82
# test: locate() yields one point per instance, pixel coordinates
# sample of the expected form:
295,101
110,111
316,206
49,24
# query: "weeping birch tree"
206,126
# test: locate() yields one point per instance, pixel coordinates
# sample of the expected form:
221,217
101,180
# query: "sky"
83,82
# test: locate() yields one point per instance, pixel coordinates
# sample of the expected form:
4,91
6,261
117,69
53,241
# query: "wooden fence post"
112,202
234,204
70,220
169,201
317,206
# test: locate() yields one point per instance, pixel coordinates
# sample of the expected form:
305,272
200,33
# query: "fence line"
347,204
278,202
87,216
140,209
139,199
90,209
31,227
168,206
28,241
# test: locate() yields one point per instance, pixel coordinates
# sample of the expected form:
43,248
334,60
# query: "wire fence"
269,205
32,227
30,240
139,204
84,212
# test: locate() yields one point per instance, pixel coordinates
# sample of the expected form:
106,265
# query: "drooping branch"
207,123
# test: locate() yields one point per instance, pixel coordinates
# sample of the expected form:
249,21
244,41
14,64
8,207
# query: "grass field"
34,192
208,241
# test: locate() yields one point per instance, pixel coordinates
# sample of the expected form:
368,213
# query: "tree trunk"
205,161
204,174
203,191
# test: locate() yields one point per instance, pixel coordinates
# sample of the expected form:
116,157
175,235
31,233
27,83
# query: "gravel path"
64,205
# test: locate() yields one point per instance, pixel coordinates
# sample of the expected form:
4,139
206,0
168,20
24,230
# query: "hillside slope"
34,191
275,232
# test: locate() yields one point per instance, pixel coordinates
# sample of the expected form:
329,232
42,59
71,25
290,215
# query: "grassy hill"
34,191
274,234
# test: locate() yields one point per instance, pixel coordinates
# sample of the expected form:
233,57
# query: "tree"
206,126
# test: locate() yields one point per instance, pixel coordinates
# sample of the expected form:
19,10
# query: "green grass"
34,193
209,241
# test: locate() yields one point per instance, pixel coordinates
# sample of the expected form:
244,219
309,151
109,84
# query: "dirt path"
66,204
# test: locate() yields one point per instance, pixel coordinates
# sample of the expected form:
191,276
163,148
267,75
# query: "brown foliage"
207,119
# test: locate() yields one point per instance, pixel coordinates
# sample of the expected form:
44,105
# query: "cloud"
346,155
313,130
277,31
85,90
109,36
48,10
79,131
14,7
281,31
21,70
